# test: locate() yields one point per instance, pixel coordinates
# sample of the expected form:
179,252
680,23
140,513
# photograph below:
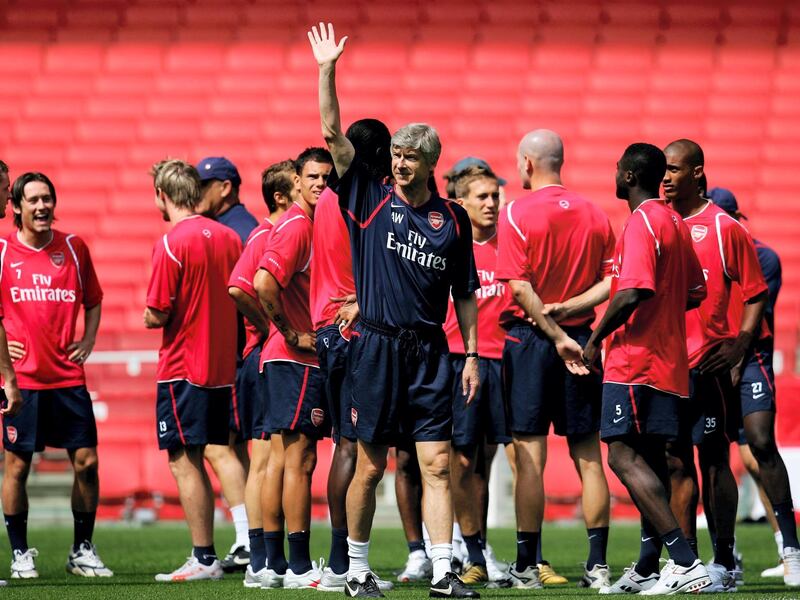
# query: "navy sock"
723,553
338,560
299,552
416,545
678,547
258,552
206,555
598,542
784,513
649,552
483,543
17,526
84,528
473,543
692,541
539,558
526,549
276,559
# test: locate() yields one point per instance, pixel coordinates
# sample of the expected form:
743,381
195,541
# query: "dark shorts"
639,410
757,385
401,385
714,409
485,418
539,390
59,418
332,350
295,400
247,410
190,415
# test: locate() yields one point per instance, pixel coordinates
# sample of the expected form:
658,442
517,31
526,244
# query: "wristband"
471,355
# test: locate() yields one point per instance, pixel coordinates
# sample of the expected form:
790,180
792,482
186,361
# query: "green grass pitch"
136,554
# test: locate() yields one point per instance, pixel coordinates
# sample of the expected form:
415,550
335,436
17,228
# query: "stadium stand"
99,90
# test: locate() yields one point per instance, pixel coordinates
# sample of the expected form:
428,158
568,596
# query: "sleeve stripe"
169,252
75,258
250,241
650,229
375,212
721,247
287,221
513,224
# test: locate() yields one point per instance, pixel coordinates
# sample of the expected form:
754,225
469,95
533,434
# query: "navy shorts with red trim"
757,385
713,409
639,410
59,418
332,351
401,385
247,409
190,415
295,399
539,390
484,419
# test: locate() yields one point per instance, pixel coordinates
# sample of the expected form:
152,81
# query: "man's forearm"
752,315
6,365
532,305
270,298
91,322
619,311
250,308
341,149
467,316
585,302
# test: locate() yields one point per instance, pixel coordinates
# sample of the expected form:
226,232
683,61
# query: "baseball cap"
218,167
725,199
471,161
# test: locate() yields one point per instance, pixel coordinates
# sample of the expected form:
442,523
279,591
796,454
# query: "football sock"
723,553
539,558
441,555
692,541
239,515
338,560
649,551
784,513
526,549
276,559
83,528
299,552
474,550
205,555
17,527
258,552
416,545
678,547
598,542
359,559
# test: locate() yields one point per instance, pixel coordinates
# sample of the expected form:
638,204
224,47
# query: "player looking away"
656,278
411,249
188,298
47,276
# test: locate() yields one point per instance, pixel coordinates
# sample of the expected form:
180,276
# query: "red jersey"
493,297
332,276
560,242
191,267
243,274
42,291
726,253
654,253
287,257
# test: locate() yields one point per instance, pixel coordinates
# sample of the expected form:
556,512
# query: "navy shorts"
332,354
757,385
190,415
639,410
713,410
485,418
247,411
401,385
539,390
295,399
59,418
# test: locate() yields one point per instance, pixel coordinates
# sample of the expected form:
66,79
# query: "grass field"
136,554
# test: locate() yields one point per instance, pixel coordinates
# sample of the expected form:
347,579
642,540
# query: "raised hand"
324,46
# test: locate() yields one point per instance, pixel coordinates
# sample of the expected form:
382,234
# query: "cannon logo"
699,233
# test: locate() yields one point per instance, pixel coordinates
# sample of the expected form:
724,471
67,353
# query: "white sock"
359,559
239,514
427,539
457,537
779,543
441,555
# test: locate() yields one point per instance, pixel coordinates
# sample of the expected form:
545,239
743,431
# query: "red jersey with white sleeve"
332,275
727,254
42,291
287,257
558,241
654,253
191,267
243,274
493,297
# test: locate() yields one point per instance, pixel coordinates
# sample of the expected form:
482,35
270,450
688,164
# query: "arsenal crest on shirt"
57,258
436,219
699,232
317,416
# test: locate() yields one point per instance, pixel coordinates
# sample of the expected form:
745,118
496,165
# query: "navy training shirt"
238,218
771,268
406,260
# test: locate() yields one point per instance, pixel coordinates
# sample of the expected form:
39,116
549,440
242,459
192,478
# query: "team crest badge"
11,432
354,416
699,232
563,204
436,219
317,416
57,258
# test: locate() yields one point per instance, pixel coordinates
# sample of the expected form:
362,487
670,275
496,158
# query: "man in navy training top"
411,251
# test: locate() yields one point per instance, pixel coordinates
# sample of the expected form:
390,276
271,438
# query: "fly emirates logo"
41,292
489,287
414,251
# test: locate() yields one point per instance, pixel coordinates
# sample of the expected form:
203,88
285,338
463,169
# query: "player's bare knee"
437,469
86,466
16,468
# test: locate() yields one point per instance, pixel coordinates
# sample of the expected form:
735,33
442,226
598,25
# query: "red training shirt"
560,242
41,292
191,267
654,253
